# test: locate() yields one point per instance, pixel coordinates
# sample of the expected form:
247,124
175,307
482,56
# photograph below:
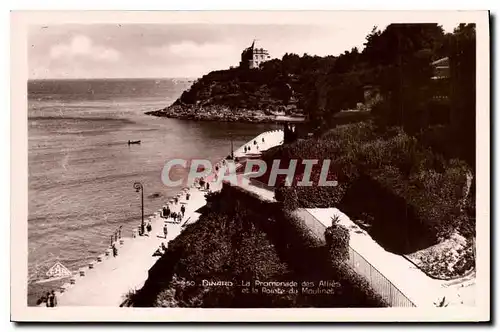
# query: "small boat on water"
134,142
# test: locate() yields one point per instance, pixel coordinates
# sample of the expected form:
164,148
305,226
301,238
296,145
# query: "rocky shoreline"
216,113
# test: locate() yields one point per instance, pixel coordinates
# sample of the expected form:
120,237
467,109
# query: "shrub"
337,241
287,196
436,197
166,299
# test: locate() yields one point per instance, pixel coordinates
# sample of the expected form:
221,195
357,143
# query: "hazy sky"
180,50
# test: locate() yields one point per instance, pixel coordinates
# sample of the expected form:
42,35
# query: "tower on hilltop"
252,56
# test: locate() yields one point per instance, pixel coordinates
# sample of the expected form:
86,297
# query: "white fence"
380,284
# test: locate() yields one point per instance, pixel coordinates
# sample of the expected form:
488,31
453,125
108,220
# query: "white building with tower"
252,57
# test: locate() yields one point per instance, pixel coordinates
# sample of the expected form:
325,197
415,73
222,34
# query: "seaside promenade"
109,280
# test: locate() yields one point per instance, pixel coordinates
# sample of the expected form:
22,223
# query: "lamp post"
138,187
232,153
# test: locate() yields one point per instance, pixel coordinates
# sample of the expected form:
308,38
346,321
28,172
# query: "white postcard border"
19,171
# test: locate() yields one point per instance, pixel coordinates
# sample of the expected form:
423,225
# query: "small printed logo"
58,271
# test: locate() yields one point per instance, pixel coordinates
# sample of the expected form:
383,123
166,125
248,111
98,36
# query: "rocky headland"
237,94
219,113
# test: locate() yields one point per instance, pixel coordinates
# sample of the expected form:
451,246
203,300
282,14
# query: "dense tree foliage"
423,131
395,62
273,87
398,62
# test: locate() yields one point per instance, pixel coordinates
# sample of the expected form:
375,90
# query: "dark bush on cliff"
337,242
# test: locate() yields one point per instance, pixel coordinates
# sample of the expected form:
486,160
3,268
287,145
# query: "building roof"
284,118
441,62
255,47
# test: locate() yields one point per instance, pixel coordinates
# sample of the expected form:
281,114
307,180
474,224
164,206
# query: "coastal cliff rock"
311,86
245,95
214,113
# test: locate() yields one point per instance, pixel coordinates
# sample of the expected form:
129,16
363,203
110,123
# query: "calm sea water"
81,169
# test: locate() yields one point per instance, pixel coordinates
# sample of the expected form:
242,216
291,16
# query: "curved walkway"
263,142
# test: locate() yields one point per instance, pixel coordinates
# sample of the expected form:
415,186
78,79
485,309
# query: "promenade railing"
117,235
380,284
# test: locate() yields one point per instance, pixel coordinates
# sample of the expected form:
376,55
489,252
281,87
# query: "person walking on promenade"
208,186
183,210
187,196
166,213
54,299
149,228
48,300
165,230
42,299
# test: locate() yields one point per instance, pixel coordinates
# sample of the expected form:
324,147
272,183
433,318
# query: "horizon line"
109,78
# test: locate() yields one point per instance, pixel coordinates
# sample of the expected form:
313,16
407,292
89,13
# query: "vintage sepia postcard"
309,166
